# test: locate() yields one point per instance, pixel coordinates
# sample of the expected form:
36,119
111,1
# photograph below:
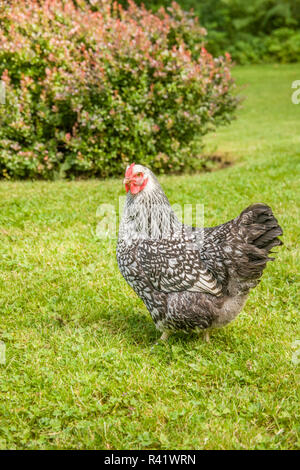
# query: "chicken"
189,278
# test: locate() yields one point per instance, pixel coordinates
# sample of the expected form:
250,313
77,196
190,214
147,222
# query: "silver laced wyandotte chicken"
190,278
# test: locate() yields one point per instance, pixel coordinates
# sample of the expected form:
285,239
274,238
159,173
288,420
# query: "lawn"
82,369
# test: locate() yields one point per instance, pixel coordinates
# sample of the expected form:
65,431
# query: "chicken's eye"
139,174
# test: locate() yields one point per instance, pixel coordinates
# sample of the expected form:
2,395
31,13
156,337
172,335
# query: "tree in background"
256,31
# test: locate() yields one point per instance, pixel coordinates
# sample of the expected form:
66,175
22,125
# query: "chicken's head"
136,178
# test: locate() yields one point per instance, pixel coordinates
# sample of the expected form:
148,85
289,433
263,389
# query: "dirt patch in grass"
216,162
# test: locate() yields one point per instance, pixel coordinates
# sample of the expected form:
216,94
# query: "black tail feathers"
260,227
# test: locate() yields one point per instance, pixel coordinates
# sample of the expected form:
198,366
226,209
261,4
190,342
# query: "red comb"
129,171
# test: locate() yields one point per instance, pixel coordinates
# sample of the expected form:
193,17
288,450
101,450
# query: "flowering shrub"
89,90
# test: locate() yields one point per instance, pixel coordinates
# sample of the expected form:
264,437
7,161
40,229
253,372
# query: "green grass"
81,370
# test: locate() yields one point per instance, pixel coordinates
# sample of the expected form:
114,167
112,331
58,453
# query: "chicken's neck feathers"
148,215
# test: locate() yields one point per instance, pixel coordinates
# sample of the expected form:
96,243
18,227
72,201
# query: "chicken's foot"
206,336
165,336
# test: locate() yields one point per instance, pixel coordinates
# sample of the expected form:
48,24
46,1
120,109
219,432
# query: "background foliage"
90,90
252,32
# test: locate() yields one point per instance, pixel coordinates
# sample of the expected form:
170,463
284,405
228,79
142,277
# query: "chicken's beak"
126,183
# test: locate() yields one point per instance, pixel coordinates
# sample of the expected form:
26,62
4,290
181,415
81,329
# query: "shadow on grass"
137,328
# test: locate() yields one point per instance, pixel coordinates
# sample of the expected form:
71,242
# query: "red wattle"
134,188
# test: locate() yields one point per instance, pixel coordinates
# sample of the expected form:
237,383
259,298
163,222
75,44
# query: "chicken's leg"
206,336
165,336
